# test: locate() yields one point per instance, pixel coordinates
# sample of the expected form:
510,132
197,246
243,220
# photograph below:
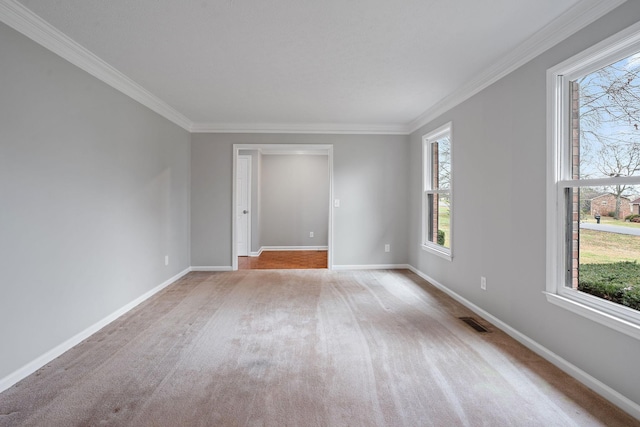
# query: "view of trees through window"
439,201
605,234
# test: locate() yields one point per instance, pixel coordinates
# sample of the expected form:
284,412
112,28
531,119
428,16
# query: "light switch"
336,203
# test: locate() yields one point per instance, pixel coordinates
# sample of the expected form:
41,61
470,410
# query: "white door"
243,182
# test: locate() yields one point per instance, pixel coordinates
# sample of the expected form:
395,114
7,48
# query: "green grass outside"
601,247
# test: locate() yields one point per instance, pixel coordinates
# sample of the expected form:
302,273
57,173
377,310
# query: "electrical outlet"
311,234
483,283
166,260
387,248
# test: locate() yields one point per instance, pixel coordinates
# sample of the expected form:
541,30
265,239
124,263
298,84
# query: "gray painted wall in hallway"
370,179
295,194
94,192
499,181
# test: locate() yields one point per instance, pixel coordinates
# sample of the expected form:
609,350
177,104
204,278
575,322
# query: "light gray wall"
499,181
295,200
370,179
94,192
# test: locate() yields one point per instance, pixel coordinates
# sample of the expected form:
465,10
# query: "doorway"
304,257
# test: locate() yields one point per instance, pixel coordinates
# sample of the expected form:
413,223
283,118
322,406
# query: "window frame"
427,162
559,178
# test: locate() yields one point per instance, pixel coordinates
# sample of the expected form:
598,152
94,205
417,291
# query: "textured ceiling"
300,62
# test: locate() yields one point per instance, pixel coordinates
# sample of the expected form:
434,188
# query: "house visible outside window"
437,192
593,235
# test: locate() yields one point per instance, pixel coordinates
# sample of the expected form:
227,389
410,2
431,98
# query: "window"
593,241
437,195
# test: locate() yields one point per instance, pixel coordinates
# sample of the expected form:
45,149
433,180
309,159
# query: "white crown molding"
577,17
23,20
26,22
315,128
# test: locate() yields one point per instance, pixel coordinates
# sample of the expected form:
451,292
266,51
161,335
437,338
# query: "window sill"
446,254
594,314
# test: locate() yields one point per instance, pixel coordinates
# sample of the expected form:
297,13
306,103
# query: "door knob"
245,211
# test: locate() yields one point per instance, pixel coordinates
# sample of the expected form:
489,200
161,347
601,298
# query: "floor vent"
474,324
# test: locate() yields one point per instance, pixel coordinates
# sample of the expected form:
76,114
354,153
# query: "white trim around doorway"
320,149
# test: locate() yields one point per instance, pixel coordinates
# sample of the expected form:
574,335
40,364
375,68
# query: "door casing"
246,205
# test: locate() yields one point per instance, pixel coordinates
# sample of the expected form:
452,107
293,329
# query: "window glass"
437,206
603,221
442,152
606,113
593,199
439,219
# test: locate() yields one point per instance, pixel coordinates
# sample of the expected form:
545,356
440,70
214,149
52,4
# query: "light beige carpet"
301,348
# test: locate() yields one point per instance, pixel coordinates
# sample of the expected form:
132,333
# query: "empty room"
448,191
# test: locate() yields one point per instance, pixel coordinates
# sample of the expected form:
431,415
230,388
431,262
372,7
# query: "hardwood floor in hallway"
284,260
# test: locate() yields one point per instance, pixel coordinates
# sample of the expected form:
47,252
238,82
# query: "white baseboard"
371,267
211,268
594,384
288,248
294,248
39,362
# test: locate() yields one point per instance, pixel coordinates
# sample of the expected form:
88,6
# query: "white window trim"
436,134
615,316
